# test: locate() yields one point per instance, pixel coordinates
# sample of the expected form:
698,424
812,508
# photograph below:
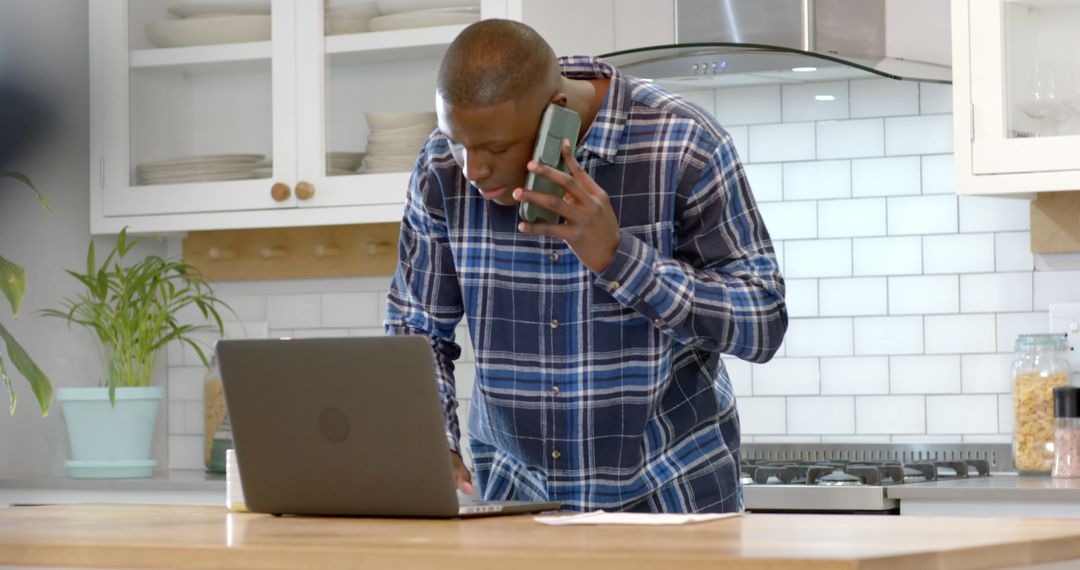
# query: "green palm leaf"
12,284
39,383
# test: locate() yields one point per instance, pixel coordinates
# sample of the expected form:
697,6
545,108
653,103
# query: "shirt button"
556,454
554,389
614,285
554,323
658,322
554,256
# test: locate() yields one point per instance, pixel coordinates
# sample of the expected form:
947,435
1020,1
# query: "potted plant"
13,285
132,310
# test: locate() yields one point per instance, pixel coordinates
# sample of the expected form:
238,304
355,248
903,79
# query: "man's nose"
477,169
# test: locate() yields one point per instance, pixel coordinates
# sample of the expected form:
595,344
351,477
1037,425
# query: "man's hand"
589,225
461,474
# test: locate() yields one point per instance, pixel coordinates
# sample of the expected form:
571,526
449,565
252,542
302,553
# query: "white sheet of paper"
602,517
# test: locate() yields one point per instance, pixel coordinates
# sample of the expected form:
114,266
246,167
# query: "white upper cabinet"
1016,74
592,27
217,114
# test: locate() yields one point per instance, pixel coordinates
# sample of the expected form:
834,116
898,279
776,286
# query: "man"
599,382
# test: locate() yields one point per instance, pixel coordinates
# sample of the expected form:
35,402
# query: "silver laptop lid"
338,426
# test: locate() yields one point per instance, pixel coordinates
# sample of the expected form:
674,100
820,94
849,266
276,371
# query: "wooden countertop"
150,536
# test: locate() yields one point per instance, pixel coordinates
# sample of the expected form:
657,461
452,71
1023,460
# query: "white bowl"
382,136
344,162
380,121
208,31
366,9
403,147
338,26
421,130
421,19
399,6
194,8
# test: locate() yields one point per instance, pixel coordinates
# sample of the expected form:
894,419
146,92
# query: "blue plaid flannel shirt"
600,390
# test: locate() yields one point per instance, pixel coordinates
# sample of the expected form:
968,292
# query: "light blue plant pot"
110,442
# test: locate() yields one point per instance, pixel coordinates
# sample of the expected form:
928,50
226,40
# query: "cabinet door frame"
987,162
113,198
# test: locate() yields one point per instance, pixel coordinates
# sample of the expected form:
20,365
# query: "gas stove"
855,478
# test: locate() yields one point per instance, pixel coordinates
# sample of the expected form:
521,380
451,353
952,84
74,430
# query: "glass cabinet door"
366,81
199,105
1025,85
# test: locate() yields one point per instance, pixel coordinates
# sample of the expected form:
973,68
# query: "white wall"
43,46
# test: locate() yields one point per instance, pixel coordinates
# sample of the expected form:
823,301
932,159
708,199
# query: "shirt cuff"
628,275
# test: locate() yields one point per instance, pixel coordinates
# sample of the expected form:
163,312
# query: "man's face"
493,144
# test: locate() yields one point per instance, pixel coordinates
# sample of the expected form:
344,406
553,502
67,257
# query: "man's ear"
559,99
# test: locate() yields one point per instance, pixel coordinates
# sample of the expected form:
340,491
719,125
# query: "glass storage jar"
1039,366
217,433
1066,431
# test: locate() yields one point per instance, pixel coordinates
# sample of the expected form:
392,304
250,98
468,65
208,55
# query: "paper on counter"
602,517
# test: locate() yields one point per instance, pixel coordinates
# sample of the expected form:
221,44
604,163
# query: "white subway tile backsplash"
801,297
1013,251
988,438
959,334
958,253
855,439
922,215
778,249
1057,262
762,415
814,101
368,331
883,98
992,214
986,373
894,176
1006,414
935,98
888,335
854,296
938,174
748,105
851,218
351,309
890,414
818,258
819,337
176,417
246,307
790,220
929,134
924,374
294,311
194,414
974,414
887,256
319,333
1012,325
787,439
186,383
1056,287
821,415
850,139
704,97
995,292
740,137
778,143
766,181
786,376
855,375
817,179
186,452
924,295
739,372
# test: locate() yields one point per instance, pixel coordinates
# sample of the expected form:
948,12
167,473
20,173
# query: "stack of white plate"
396,139
338,163
207,22
402,14
348,16
197,169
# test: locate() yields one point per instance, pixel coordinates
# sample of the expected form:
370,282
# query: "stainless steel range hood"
748,42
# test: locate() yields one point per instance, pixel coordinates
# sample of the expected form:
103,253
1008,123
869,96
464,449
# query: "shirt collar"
604,134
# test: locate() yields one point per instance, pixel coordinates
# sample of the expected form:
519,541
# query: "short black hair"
493,61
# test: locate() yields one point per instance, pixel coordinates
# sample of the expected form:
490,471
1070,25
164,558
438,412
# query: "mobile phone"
558,123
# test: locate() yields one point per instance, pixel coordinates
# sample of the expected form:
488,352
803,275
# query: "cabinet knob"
280,191
305,190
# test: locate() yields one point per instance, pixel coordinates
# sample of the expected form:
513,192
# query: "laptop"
343,426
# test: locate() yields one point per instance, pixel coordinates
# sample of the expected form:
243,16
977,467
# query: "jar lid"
1056,341
1067,402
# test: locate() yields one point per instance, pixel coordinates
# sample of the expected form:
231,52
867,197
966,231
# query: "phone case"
558,123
